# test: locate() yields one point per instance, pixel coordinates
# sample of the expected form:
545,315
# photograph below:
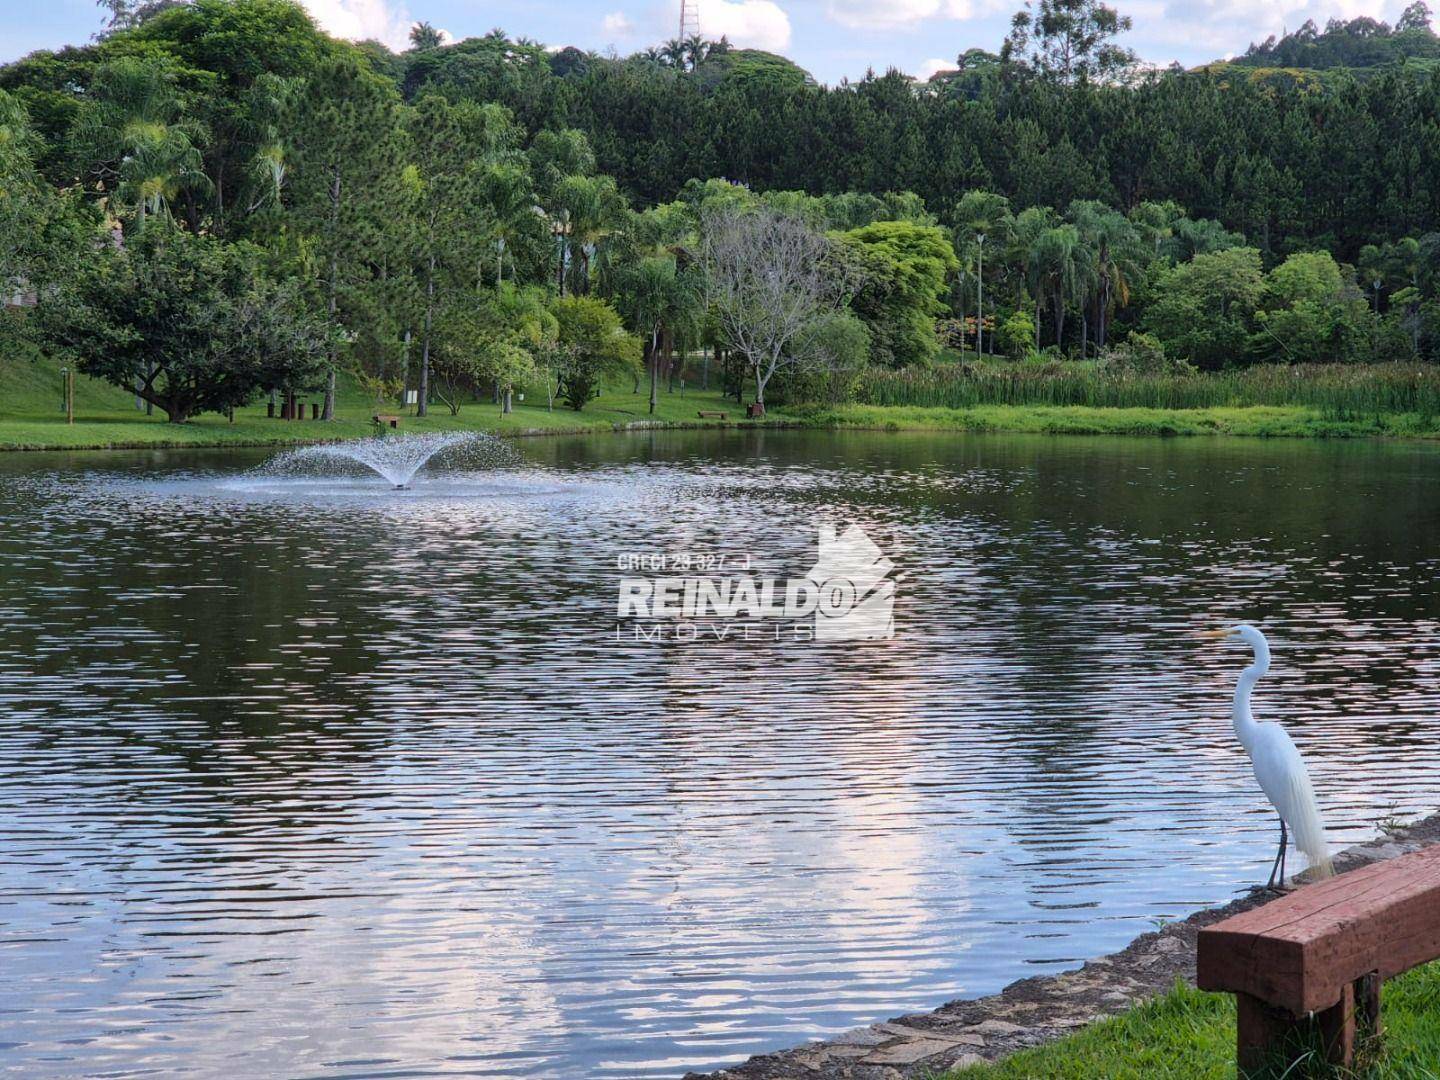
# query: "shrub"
1142,354
1016,335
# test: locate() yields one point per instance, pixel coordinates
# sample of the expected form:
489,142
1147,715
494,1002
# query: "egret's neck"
1240,712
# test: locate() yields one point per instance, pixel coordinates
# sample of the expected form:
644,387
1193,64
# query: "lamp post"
67,394
980,296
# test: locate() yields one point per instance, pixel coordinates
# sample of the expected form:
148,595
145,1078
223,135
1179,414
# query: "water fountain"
397,458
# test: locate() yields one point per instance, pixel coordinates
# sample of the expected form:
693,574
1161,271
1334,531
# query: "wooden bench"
706,414
386,420
1311,963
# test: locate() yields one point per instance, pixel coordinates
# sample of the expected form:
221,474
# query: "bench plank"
1301,952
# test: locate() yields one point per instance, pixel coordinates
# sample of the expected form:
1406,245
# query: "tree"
492,338
768,278
590,209
591,344
660,299
449,145
127,14
131,135
981,217
185,321
1311,312
1414,17
1118,255
1070,41
516,222
26,201
424,36
1060,267
1206,308
345,191
903,270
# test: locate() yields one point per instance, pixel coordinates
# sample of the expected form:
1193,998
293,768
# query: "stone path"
1031,1011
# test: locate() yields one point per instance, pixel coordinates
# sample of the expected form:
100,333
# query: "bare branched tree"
769,277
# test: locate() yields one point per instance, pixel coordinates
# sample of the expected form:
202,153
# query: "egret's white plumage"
1278,765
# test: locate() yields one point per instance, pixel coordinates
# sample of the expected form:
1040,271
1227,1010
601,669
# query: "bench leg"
1267,1037
1367,1005
1337,1028
1259,1030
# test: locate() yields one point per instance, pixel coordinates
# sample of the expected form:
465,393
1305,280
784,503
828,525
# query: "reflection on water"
344,784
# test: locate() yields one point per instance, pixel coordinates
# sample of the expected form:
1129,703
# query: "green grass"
105,417
31,418
1190,1035
1255,420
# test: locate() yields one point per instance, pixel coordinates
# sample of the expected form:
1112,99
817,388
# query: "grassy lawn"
1190,1035
31,417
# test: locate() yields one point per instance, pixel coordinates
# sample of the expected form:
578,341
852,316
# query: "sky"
833,39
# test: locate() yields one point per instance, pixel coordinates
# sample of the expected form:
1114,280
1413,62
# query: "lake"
325,780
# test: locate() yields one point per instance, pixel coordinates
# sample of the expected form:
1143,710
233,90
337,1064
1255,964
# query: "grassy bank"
1190,1035
106,417
1266,421
31,417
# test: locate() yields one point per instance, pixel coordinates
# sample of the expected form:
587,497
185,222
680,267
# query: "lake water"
340,782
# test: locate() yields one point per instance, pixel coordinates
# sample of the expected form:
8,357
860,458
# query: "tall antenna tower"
689,19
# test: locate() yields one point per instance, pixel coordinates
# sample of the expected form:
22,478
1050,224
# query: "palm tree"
981,216
672,53
696,50
1059,268
270,99
662,304
423,36
591,210
1116,248
1025,232
511,202
133,136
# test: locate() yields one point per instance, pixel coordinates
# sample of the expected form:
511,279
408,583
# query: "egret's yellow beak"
1217,635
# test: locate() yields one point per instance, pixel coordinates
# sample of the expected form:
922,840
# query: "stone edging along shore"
1035,1010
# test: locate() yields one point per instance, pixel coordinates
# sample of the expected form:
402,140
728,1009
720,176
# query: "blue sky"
831,38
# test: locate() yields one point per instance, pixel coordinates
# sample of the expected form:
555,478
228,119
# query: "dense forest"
1357,43
497,213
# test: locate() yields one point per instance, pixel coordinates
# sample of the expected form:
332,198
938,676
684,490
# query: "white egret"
1278,765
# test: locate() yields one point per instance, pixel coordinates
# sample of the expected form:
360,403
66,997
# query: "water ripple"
341,782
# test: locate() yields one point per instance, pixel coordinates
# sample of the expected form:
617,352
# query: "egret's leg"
1283,846
1275,866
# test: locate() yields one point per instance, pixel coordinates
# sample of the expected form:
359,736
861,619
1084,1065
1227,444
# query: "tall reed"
1338,391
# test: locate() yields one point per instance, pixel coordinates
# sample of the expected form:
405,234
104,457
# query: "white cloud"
894,14
754,24
618,24
929,67
1218,27
880,14
976,9
360,20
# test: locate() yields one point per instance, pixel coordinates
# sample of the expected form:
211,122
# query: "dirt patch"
1035,1010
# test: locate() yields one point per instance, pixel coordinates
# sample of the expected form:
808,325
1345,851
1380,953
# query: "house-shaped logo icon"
856,592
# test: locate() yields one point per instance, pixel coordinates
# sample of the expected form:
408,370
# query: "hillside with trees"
470,219
1355,43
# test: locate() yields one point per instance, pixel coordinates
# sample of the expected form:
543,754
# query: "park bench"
1311,963
707,414
386,420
